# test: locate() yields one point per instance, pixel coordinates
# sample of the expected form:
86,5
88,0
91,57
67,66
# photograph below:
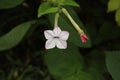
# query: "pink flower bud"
84,38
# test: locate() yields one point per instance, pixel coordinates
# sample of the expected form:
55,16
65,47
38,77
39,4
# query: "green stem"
80,31
56,19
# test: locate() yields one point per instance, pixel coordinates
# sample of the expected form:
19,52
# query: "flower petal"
84,38
57,31
61,44
48,34
64,35
50,43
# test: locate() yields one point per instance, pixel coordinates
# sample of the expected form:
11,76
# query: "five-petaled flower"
84,38
56,37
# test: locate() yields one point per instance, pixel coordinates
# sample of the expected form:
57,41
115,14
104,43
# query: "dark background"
103,30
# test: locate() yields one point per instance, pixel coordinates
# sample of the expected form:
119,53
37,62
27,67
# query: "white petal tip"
63,48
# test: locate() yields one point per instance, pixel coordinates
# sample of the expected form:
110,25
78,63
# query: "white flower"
56,37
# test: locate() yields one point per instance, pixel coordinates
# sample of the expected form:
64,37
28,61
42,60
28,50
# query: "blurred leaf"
94,34
62,63
2,74
79,76
69,2
27,78
22,76
96,57
113,63
109,31
93,70
113,5
104,1
13,74
96,70
66,64
117,16
65,24
12,38
46,8
4,4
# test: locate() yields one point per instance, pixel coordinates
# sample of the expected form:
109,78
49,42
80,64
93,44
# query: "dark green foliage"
113,63
22,43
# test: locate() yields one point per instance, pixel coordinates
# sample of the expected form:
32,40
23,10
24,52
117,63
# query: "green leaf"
65,24
69,3
69,65
4,4
62,63
94,69
12,38
109,31
117,16
113,5
113,64
79,76
45,8
96,57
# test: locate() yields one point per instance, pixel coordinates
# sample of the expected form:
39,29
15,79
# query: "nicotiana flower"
84,38
56,37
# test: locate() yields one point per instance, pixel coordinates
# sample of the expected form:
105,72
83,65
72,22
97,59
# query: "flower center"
56,37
